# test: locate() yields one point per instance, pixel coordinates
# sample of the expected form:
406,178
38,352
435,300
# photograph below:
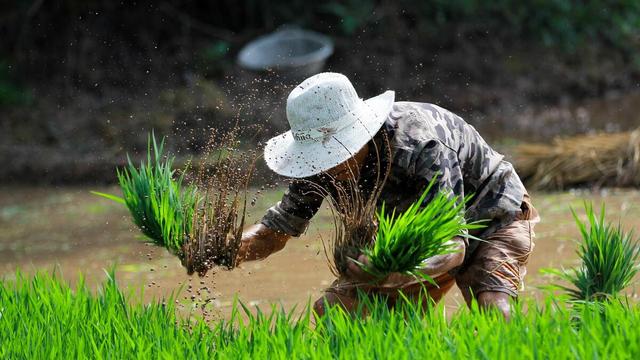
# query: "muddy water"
72,231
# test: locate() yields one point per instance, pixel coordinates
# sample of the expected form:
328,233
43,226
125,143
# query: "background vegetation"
83,42
79,80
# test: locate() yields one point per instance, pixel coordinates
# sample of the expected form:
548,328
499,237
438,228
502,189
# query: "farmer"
335,133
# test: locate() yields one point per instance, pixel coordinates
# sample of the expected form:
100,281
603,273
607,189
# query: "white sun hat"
329,124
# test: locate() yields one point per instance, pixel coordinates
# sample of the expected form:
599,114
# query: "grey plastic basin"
289,51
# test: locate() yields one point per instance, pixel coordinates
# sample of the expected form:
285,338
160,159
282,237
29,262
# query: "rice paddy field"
42,318
153,309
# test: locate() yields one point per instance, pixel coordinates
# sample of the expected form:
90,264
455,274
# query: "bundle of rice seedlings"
609,260
392,243
158,202
601,159
354,225
354,213
218,221
405,241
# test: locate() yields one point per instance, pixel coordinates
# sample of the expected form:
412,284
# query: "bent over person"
335,133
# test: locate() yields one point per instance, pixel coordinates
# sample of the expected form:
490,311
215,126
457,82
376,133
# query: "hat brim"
290,158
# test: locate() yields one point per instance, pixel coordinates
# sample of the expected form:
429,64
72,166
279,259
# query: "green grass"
406,240
42,317
11,93
608,259
158,202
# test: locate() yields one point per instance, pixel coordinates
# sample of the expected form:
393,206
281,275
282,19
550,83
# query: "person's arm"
289,217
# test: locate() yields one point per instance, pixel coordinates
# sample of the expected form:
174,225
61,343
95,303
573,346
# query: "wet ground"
71,231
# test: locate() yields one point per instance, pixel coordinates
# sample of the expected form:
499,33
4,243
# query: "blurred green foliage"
216,51
353,14
213,60
125,35
566,24
563,24
10,92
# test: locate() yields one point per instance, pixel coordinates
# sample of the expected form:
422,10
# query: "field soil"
70,231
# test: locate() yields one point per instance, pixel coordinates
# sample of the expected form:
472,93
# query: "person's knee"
329,299
495,300
319,306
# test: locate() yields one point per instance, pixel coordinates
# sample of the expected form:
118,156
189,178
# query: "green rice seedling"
158,202
354,210
405,241
608,260
217,222
354,226
202,223
42,317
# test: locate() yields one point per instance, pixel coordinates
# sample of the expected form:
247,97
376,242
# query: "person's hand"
440,264
258,242
356,273
432,267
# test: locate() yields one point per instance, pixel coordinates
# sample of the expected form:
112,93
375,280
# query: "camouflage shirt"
426,140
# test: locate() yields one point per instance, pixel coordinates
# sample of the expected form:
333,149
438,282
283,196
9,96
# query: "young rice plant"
200,224
354,210
158,202
393,243
216,226
405,241
608,260
43,318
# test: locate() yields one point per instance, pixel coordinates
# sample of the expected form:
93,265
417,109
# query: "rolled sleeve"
291,215
278,219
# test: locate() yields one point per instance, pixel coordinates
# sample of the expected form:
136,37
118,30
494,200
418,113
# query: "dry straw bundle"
598,160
